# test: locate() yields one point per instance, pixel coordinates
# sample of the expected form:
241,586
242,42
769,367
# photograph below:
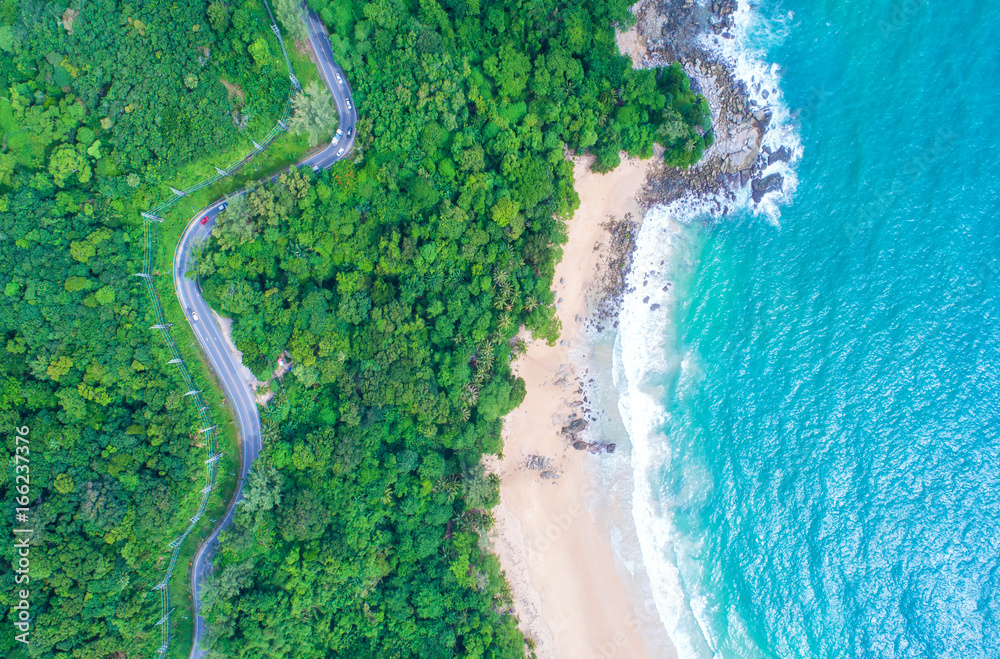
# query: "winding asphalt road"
238,394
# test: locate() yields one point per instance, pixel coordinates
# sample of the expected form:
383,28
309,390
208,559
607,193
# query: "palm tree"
280,398
270,431
479,376
485,360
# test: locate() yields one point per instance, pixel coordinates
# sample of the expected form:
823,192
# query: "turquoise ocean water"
815,409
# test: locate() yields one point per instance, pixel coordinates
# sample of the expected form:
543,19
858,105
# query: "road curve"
238,394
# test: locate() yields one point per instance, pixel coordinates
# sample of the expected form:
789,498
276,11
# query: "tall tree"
314,113
291,15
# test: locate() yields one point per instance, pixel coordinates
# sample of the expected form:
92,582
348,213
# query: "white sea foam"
744,54
648,357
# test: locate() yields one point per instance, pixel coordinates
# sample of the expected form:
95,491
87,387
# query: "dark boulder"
784,154
761,186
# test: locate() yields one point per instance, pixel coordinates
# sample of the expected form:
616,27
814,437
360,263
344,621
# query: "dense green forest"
398,283
100,104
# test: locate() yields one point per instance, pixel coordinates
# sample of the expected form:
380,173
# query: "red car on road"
204,220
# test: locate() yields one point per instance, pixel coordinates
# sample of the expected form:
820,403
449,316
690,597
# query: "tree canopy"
101,104
397,283
314,113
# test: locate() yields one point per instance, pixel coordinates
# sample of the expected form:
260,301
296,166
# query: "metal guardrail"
208,428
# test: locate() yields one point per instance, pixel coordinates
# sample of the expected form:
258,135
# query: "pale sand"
560,565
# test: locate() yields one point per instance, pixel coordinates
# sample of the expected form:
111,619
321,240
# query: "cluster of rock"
645,282
542,464
577,420
721,19
573,430
595,447
608,286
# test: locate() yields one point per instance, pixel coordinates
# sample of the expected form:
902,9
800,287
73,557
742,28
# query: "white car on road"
339,79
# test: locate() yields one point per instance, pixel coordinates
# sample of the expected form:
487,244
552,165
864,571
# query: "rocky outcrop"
738,152
669,31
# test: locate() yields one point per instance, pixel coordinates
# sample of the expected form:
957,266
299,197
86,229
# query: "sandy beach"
559,562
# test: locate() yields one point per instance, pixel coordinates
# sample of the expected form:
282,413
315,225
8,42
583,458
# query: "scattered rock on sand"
536,462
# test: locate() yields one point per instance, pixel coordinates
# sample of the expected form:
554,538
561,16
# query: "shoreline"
570,594
576,566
